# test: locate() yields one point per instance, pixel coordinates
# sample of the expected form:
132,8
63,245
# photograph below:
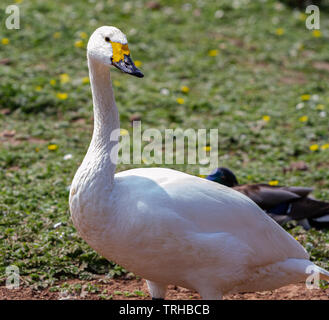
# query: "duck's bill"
127,66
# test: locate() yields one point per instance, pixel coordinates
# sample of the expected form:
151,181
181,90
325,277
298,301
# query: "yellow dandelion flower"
37,149
53,147
52,82
62,96
206,148
325,146
5,41
117,83
279,31
316,33
213,53
273,182
202,176
180,100
83,35
185,89
57,35
123,132
85,80
64,78
296,238
138,63
302,17
314,147
266,118
320,107
38,88
18,1
303,119
79,44
145,160
305,97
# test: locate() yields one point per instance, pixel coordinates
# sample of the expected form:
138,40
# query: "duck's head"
223,176
109,46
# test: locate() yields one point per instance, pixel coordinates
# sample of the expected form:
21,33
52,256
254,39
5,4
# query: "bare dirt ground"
136,289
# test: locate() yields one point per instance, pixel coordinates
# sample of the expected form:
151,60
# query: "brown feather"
267,196
308,208
302,207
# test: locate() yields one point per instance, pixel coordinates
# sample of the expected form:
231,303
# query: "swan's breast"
91,206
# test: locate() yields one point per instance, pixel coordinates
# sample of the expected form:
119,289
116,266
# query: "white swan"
167,226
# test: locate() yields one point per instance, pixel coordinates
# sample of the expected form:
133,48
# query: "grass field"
252,68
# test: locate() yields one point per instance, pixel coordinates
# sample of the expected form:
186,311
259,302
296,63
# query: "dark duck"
281,203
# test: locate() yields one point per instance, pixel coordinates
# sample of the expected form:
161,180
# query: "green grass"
256,73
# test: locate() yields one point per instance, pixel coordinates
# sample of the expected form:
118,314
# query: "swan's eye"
107,39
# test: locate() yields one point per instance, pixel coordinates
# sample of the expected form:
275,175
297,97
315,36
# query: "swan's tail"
306,268
324,273
283,273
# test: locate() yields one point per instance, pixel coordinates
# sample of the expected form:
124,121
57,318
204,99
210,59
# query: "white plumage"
170,227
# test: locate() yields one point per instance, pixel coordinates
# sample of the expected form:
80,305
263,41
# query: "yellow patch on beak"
119,50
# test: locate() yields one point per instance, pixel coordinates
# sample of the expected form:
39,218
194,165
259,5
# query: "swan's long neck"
102,154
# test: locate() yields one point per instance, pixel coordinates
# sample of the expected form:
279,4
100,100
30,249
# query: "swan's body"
170,227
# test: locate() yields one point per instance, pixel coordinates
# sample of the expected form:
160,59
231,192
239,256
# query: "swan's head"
109,46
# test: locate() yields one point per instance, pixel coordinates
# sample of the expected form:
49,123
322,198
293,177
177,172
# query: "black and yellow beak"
127,65
121,59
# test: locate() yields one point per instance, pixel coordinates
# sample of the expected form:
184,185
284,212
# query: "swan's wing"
210,208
